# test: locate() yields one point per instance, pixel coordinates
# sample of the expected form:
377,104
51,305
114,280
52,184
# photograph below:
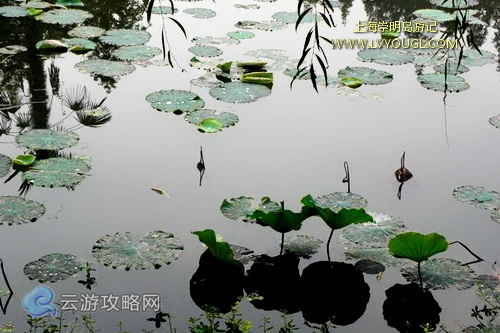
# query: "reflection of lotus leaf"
366,75
13,11
434,15
136,52
69,3
52,267
472,57
381,255
338,200
155,249
454,3
86,32
436,81
495,121
176,101
5,163
244,207
104,67
488,288
202,13
239,92
124,37
64,16
369,266
441,273
56,172
302,246
205,51
225,118
291,17
477,196
17,210
240,34
484,328
163,10
385,56
243,254
215,40
47,139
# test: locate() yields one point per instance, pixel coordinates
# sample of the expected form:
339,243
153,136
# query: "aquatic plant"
104,67
176,101
64,16
239,92
5,163
52,267
220,250
17,210
47,139
24,159
56,172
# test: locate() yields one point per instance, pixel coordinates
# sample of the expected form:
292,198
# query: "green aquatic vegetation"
451,68
338,200
209,125
272,25
239,92
220,250
205,51
24,159
210,40
370,266
5,163
243,207
201,13
454,3
434,15
225,67
472,57
302,246
385,56
51,45
17,210
13,49
351,82
64,16
52,267
176,101
125,37
93,117
136,52
56,172
80,45
155,249
265,78
47,139
70,3
13,11
245,24
380,254
240,34
104,67
442,82
477,196
209,121
292,17
252,65
36,4
86,32
164,10
366,75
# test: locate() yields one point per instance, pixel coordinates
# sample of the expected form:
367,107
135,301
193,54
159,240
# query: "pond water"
284,146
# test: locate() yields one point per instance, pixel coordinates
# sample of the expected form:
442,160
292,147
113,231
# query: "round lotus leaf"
243,207
240,34
338,200
495,121
380,254
205,51
104,67
239,92
125,37
251,6
225,119
454,3
451,69
24,159
385,56
52,267
47,139
5,163
246,24
86,32
416,246
369,266
271,25
302,246
215,40
209,125
471,57
441,273
64,16
17,210
36,4
164,10
478,196
366,75
436,82
155,249
291,17
13,11
136,52
434,15
56,172
51,45
202,13
176,101
77,45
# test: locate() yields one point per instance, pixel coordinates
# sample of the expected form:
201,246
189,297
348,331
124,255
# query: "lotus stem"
328,245
347,178
420,275
282,242
468,250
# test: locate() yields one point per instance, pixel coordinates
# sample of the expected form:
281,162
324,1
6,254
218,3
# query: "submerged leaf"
52,267
416,246
47,139
17,210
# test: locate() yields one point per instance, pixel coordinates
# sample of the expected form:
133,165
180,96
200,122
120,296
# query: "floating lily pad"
385,56
366,75
52,267
271,25
176,101
478,196
451,69
495,121
434,15
471,57
246,24
441,273
17,210
251,6
164,10
13,11
416,246
224,119
104,67
125,37
64,16
80,45
436,82
136,52
86,32
36,4
155,249
205,51
369,266
5,163
302,246
338,200
244,207
24,159
454,3
51,45
215,40
381,255
291,17
47,139
239,92
351,82
70,3
209,125
202,13
240,34
56,172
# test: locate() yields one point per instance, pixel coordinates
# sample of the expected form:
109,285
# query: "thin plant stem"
282,241
420,275
328,245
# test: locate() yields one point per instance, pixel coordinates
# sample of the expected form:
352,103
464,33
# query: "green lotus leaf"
56,172
292,17
251,65
338,200
24,159
201,13
495,121
416,246
164,10
390,34
451,69
244,207
265,78
155,249
302,246
136,52
251,6
104,67
52,267
5,163
209,125
36,4
64,16
478,197
47,139
454,3
176,101
125,37
240,34
436,81
220,250
225,67
245,24
280,61
239,92
70,3
215,40
17,210
86,32
282,220
434,15
13,11
366,75
369,266
205,51
441,273
471,57
51,45
80,45
271,25
224,119
351,82
385,56
34,11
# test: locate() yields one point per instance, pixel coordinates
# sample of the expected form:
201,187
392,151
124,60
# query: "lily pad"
226,119
471,57
436,81
205,51
488,288
381,255
64,16
164,10
136,52
239,92
385,56
5,163
291,17
454,3
210,40
478,197
495,121
244,207
80,45
24,159
271,25
366,75
17,210
441,273
176,101
125,37
201,13
52,267
451,69
416,246
245,24
13,11
302,246
86,32
56,172
338,200
47,139
369,266
434,15
36,4
155,249
70,3
240,34
104,67
51,45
